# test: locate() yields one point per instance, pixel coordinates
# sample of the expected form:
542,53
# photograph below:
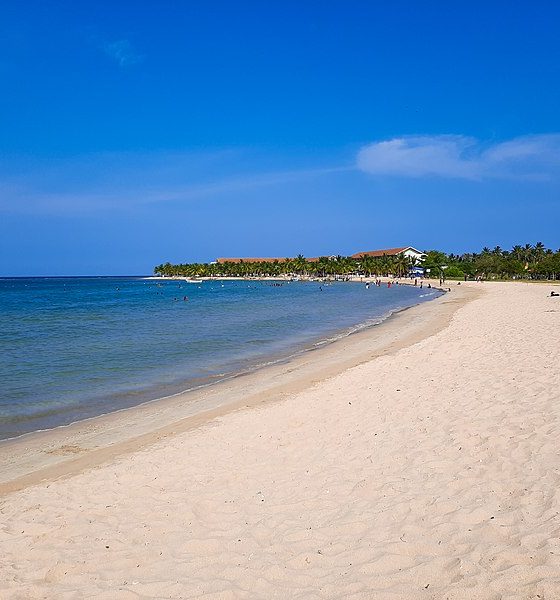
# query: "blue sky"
132,133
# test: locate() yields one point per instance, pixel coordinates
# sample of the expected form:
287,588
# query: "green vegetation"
521,262
299,266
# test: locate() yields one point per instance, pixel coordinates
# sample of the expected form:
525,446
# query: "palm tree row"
299,266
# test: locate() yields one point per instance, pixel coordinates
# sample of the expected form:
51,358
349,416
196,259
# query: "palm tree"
300,264
527,252
538,251
384,265
517,252
401,265
323,266
288,266
368,265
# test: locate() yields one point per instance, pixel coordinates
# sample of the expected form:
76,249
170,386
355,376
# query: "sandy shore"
67,450
419,459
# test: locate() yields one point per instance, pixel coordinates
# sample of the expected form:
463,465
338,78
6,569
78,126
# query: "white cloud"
122,52
455,156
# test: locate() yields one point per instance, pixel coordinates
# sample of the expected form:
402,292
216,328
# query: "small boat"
193,280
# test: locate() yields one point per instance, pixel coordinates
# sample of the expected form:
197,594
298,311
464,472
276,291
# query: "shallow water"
72,348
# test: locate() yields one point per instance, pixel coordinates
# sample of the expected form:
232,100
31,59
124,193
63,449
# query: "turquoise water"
73,348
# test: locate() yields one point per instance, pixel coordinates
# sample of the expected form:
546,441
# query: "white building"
406,250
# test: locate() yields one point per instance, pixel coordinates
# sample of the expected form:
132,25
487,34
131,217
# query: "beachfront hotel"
407,251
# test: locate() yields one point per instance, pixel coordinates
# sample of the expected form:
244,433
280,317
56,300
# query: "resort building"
221,261
408,251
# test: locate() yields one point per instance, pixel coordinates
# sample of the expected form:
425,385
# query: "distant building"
406,250
221,261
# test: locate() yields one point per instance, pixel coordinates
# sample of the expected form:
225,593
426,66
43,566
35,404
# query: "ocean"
72,348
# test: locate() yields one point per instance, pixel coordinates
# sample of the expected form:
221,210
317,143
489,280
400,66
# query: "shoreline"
155,392
67,449
417,462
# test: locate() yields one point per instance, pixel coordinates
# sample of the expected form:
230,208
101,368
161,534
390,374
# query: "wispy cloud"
123,182
122,52
97,184
535,157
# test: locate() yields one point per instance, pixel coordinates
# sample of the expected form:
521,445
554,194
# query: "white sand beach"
417,460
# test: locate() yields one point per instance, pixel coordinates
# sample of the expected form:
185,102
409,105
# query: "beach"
415,459
76,348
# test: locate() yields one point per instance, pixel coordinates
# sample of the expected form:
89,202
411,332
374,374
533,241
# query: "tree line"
521,262
300,266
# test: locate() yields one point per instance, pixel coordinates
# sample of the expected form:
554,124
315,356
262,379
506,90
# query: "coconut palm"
401,265
300,264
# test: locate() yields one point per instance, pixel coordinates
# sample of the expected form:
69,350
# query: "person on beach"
553,293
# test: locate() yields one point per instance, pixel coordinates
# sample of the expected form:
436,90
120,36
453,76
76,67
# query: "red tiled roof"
266,260
376,253
248,260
